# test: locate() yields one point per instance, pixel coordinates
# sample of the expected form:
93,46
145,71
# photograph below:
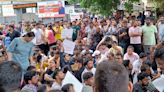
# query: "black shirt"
49,72
125,38
13,35
78,73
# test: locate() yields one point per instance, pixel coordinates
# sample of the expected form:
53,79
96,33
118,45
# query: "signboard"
51,9
75,16
69,78
69,9
67,33
24,5
8,10
69,46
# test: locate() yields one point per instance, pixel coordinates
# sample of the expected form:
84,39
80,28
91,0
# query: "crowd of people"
110,55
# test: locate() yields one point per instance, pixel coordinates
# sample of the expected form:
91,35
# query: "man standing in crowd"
149,32
159,56
111,77
88,82
123,35
76,30
135,33
161,28
39,37
12,33
90,31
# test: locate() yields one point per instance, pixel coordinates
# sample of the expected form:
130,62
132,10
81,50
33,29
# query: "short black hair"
87,75
111,77
42,88
159,53
142,55
56,73
87,60
28,76
29,34
66,87
144,67
55,90
10,76
30,68
37,24
12,26
141,76
126,63
148,18
119,54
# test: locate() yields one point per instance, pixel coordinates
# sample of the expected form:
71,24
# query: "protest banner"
67,33
51,9
68,46
69,78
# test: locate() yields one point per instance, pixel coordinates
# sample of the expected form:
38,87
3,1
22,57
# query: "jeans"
137,48
147,48
124,46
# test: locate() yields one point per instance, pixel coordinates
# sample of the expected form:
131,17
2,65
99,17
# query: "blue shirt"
21,51
61,10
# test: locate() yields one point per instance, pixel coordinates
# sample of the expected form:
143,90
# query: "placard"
75,16
69,46
69,78
67,33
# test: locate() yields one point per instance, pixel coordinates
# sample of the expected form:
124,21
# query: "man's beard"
144,85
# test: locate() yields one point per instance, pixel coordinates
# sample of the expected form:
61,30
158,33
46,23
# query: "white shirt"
93,70
56,86
136,39
38,39
112,29
137,66
87,88
132,58
159,83
90,31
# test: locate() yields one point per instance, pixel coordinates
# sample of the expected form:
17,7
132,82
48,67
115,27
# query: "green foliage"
158,3
129,5
104,7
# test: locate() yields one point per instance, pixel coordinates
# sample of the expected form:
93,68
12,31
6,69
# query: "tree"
129,5
158,3
104,7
